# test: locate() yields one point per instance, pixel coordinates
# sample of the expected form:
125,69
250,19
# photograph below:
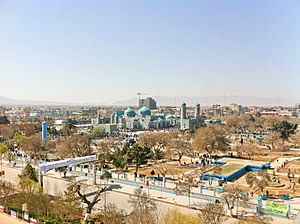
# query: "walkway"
7,219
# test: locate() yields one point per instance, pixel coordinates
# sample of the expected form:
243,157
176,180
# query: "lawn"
226,169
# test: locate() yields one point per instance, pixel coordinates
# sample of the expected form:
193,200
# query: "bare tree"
112,215
144,209
296,138
259,179
66,207
154,139
233,194
184,187
78,188
273,138
6,190
180,146
255,219
33,145
211,139
103,151
250,150
75,146
212,213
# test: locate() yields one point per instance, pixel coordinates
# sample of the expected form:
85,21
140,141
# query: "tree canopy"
4,120
285,128
211,139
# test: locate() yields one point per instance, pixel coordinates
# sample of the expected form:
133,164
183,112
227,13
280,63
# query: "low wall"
235,175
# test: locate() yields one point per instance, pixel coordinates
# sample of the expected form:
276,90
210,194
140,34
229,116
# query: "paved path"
7,219
276,164
55,184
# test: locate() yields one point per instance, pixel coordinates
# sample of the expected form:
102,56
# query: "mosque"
143,119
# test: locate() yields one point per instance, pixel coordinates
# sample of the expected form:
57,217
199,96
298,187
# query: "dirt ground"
170,168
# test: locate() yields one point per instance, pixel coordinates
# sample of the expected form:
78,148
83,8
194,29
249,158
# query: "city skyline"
101,52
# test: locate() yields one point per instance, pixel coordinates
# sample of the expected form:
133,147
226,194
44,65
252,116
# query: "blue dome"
144,111
129,112
170,116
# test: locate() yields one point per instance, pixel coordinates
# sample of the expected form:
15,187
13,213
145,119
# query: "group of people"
275,180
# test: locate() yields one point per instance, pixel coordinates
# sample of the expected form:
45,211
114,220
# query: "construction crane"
139,94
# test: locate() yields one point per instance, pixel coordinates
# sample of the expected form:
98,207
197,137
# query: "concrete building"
148,102
235,109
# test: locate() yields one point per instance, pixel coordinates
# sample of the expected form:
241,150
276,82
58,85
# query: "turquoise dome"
129,112
144,111
170,116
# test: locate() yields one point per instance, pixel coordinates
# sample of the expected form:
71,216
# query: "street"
7,219
55,184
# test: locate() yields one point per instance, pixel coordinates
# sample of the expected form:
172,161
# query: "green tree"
71,123
157,154
3,149
120,158
285,129
4,120
17,136
139,155
31,193
97,133
29,172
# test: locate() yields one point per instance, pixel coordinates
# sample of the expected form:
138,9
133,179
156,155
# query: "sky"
85,51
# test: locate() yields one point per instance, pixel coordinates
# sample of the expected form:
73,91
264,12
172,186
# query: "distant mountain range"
209,100
9,101
170,101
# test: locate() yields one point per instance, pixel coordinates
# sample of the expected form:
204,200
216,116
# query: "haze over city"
105,51
150,112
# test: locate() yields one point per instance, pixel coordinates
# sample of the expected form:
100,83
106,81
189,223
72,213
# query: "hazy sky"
104,51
